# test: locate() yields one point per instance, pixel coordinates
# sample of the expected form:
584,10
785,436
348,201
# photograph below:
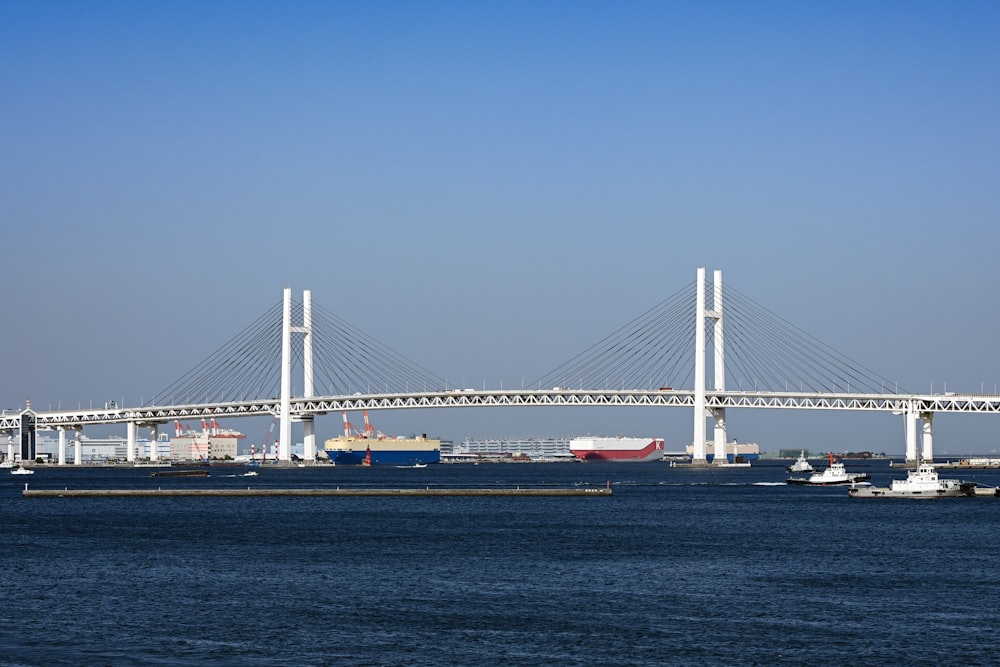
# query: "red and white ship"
617,448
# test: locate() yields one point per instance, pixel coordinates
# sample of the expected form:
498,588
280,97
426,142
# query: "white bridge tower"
701,412
287,329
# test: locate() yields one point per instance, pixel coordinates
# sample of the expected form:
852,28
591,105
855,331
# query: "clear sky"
491,187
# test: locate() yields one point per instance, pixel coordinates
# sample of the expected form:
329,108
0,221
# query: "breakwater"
356,492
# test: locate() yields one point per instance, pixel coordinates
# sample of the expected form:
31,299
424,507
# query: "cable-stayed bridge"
706,347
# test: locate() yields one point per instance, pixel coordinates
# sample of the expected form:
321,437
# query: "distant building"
100,450
115,448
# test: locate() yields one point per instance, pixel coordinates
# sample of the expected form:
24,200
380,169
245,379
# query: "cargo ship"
375,448
617,448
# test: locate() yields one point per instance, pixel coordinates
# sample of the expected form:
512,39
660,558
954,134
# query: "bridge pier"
131,430
309,439
926,435
910,434
154,437
78,449
720,436
62,444
927,418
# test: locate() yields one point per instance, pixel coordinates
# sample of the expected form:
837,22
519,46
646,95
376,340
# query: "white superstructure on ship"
509,449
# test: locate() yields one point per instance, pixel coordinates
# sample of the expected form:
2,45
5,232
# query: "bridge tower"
287,329
701,411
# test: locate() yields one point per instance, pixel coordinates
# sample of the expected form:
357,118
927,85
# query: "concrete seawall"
251,492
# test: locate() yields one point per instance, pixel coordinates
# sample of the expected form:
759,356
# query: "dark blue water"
679,567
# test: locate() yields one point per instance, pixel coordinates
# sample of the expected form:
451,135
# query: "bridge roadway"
304,407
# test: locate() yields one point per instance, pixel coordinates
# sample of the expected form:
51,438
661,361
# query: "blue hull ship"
350,450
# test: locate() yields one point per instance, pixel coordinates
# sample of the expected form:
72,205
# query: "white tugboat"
920,483
800,465
834,475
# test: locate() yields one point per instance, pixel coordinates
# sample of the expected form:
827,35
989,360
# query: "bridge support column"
62,445
10,447
910,428
130,442
927,419
309,440
154,438
78,449
720,436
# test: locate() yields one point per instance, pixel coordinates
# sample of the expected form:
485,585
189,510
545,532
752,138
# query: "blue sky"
489,188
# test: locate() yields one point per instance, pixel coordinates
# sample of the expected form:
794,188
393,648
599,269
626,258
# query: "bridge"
681,353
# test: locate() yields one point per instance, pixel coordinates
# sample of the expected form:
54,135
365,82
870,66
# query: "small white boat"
834,475
920,483
250,473
18,470
800,465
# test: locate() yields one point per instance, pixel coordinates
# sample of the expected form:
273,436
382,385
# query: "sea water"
678,567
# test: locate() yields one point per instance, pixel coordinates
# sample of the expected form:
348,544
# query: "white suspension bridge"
640,365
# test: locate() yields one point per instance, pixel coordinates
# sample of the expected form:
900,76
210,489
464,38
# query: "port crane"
370,432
